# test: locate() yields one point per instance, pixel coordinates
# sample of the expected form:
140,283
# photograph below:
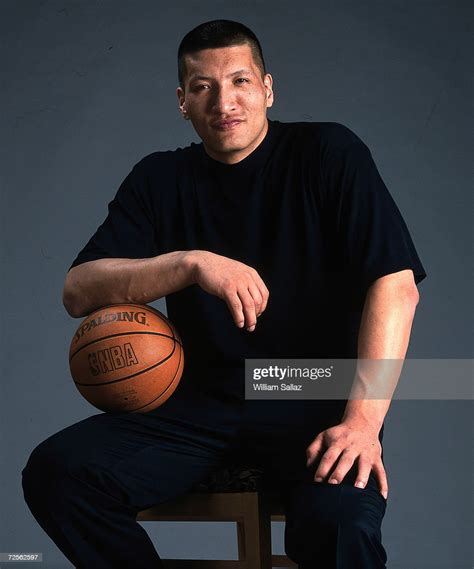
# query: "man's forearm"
111,281
384,335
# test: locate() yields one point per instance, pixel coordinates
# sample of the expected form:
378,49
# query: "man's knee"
40,470
48,466
360,530
361,512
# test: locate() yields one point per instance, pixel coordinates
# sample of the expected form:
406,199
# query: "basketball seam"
169,386
145,307
129,376
176,340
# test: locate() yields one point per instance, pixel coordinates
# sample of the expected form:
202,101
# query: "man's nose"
224,100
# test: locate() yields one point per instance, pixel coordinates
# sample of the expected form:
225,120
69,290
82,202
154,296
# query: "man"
268,239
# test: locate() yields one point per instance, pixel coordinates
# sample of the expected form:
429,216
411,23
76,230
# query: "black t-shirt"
307,209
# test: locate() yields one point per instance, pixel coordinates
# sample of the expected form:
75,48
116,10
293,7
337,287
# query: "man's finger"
235,307
314,450
363,473
381,475
263,292
248,306
327,462
343,466
265,295
257,298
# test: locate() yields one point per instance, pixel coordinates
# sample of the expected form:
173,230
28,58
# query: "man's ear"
268,82
182,103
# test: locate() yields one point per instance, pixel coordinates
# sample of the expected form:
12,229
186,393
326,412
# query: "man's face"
226,99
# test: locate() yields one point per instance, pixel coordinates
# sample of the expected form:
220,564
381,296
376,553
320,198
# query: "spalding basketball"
126,357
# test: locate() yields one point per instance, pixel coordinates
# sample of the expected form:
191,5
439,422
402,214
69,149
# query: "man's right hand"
239,285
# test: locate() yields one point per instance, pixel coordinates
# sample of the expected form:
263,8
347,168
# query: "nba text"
110,359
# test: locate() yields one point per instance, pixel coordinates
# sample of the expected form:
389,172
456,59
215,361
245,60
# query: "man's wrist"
366,413
189,263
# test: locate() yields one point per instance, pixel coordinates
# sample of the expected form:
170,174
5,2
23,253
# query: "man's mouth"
226,124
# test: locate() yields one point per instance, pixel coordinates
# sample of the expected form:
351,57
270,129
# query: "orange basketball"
126,357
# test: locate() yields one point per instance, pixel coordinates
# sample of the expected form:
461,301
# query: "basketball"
126,357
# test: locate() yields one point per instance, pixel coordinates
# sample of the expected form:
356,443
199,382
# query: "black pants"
86,483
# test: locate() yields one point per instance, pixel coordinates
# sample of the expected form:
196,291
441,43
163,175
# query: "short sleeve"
128,230
372,239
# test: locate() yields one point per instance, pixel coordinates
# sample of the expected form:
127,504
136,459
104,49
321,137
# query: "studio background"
89,89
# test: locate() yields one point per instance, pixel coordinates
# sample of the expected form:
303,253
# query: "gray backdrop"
89,89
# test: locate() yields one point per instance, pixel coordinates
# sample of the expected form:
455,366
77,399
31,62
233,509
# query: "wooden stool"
232,494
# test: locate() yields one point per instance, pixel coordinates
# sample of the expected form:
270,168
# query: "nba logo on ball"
126,357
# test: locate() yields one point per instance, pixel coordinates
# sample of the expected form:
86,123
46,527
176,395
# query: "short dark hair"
214,34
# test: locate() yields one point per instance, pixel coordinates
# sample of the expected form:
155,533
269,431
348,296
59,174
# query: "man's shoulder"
328,135
162,160
337,135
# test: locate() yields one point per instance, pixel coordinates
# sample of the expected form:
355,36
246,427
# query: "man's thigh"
274,435
141,459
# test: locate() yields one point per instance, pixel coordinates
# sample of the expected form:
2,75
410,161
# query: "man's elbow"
71,305
409,296
414,295
72,296
397,287
410,291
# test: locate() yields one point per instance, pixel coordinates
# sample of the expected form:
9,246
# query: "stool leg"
254,534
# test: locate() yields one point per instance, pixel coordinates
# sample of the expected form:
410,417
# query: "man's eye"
201,87
243,79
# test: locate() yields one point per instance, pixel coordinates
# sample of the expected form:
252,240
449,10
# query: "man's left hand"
344,444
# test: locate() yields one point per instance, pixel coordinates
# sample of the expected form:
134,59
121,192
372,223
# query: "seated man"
268,240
